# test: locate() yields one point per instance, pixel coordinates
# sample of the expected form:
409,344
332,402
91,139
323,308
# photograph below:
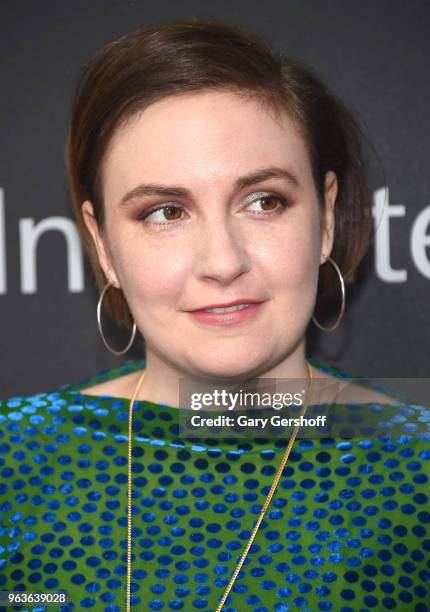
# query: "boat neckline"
133,365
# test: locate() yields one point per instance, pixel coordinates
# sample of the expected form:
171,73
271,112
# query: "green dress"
348,528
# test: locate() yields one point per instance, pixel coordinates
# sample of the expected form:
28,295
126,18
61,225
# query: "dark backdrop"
374,55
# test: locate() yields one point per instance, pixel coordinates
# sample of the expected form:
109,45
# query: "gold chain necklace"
263,511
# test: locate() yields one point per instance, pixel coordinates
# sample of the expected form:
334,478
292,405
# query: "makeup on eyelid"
284,204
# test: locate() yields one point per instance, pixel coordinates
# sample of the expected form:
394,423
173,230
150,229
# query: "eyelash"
283,202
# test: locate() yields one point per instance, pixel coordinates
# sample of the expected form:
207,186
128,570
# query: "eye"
169,213
166,214
269,202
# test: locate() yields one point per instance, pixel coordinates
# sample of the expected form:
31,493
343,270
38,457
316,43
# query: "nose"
221,254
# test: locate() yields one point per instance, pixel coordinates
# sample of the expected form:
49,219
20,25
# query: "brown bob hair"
152,63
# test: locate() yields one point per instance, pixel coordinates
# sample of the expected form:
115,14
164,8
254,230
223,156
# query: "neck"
161,382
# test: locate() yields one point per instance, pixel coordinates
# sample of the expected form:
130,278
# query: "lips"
238,302
227,317
228,308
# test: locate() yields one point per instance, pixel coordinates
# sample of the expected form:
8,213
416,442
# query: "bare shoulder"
345,391
117,387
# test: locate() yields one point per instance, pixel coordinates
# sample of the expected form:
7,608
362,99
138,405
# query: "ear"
328,221
99,243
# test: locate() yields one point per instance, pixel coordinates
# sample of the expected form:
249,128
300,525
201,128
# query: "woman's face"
209,199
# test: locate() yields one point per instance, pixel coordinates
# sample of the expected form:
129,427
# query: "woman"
215,186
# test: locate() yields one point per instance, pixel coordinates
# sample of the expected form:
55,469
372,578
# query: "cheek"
149,274
291,256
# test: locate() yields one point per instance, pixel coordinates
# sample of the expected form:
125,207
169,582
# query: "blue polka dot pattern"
347,529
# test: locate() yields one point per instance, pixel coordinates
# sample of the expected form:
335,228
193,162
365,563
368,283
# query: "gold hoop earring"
99,323
342,308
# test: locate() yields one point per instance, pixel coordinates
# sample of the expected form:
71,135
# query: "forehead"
205,138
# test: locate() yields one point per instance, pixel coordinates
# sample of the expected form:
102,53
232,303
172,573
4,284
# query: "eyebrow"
263,174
